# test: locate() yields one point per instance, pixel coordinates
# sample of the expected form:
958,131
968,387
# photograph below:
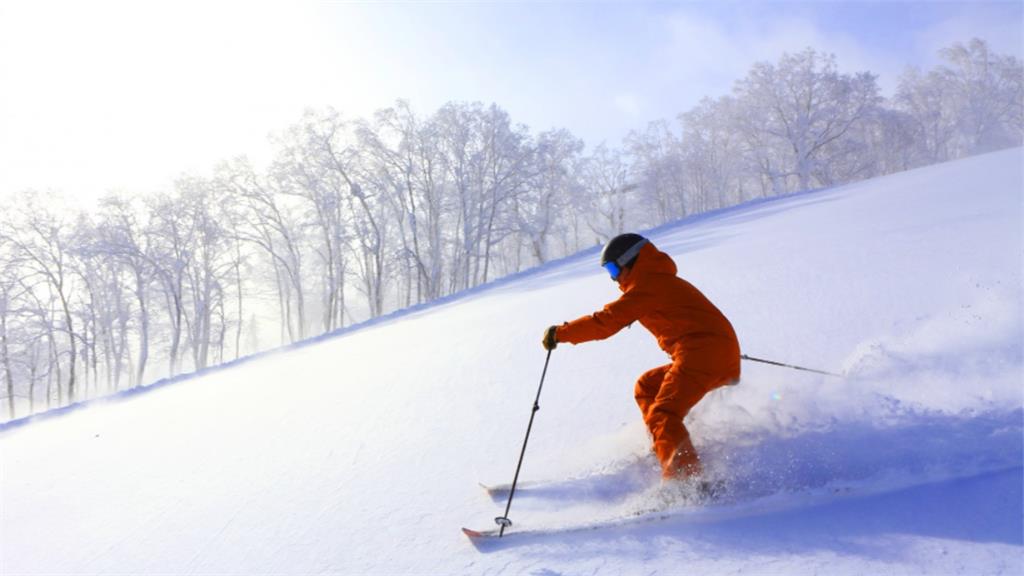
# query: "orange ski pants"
665,396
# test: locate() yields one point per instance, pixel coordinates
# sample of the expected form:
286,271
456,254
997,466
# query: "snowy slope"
361,453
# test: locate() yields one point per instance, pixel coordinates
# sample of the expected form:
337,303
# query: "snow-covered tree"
612,206
800,116
486,159
656,162
715,163
546,194
972,104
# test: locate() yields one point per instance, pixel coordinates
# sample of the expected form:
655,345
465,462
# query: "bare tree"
8,309
208,268
107,310
40,240
406,162
301,170
169,238
121,236
266,220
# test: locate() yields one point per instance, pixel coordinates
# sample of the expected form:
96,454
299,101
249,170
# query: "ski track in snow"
359,452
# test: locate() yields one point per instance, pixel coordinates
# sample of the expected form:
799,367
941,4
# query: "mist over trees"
357,217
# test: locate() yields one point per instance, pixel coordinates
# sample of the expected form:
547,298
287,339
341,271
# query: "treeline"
357,217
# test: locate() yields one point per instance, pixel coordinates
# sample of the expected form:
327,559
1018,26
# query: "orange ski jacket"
687,325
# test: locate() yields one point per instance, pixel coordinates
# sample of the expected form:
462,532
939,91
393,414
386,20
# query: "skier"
700,340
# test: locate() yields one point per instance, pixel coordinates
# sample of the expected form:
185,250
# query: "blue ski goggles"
613,267
613,270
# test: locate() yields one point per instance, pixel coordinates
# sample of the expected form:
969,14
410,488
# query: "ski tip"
482,540
474,534
495,492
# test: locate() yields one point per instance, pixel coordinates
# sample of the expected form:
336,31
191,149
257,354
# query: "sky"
99,97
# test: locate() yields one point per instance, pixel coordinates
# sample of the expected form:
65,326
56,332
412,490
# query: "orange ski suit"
701,341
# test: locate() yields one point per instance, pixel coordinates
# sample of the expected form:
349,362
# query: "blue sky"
126,95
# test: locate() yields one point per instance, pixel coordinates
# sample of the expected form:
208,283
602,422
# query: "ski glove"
550,340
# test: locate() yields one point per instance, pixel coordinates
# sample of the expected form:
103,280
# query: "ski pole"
774,363
504,521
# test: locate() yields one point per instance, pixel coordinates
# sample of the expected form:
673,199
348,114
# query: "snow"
361,452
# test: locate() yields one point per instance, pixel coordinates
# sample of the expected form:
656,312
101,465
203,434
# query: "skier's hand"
550,340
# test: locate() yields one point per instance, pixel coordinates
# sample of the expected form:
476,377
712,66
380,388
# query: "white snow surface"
360,453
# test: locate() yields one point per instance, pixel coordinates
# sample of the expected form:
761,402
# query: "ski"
481,538
609,487
711,508
497,491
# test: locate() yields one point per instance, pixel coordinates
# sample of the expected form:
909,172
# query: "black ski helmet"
622,250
